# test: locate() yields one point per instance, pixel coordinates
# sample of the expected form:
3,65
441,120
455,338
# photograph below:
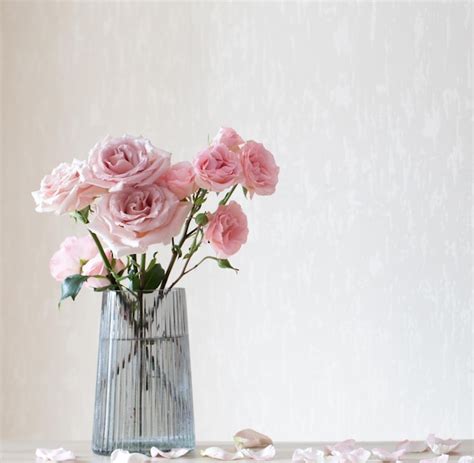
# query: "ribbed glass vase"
143,389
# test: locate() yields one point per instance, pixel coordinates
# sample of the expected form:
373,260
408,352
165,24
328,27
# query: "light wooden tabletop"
24,451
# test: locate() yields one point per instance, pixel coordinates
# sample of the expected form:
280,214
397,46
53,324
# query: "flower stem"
185,272
177,248
106,261
227,196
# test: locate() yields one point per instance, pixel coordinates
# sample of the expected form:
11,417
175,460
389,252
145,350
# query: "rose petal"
124,456
220,454
384,455
465,459
248,438
55,454
440,459
173,453
358,455
342,447
441,446
264,454
412,446
308,455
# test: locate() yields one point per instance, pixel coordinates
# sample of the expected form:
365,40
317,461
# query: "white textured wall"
352,313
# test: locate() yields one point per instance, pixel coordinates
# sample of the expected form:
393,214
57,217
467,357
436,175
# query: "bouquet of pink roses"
130,196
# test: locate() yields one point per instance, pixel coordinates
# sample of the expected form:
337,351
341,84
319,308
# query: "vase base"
145,446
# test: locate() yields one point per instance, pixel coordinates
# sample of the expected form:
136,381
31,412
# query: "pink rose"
217,168
227,229
259,169
96,267
229,137
180,179
126,161
71,256
132,219
63,190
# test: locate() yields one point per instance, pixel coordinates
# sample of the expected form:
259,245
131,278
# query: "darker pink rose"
132,219
126,161
217,168
180,179
260,171
227,229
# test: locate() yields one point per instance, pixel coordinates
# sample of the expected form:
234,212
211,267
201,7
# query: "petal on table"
124,456
441,446
173,453
412,446
384,455
308,455
220,454
358,455
341,447
248,438
264,454
55,454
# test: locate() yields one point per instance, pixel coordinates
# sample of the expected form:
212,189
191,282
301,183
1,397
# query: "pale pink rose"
229,137
73,253
217,168
227,229
132,219
63,190
180,179
260,171
96,267
125,161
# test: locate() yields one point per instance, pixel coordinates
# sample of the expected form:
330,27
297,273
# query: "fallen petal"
248,439
220,454
342,447
384,455
124,456
308,455
173,453
412,446
440,459
465,459
55,454
260,455
359,455
441,446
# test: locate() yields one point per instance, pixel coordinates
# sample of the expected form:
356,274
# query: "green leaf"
245,191
224,263
71,286
153,276
201,219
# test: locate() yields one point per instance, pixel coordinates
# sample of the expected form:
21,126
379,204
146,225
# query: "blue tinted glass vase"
143,389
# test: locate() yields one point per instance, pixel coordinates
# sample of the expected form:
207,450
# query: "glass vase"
143,389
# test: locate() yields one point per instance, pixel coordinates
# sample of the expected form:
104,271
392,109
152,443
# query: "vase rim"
147,291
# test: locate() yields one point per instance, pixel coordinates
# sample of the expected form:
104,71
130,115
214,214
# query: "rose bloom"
217,168
229,137
180,179
227,229
71,256
96,267
126,161
260,171
132,219
63,190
